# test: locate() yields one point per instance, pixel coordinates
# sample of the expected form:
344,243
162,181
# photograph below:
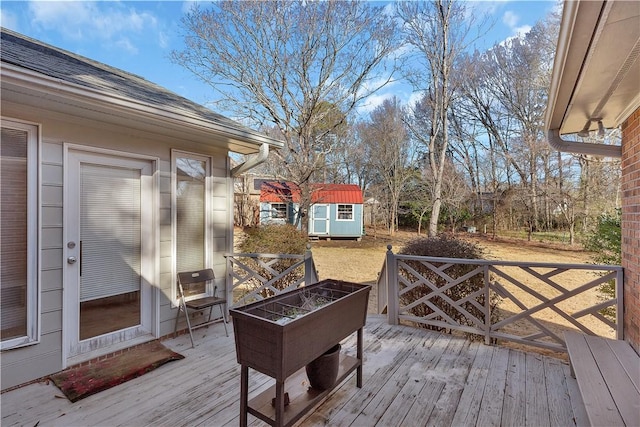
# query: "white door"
109,259
320,220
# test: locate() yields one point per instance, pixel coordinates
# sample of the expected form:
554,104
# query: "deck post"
487,305
309,273
620,304
392,286
228,287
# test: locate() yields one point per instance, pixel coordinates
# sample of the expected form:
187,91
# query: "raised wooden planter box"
279,337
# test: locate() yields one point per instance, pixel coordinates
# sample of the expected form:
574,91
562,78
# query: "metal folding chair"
189,280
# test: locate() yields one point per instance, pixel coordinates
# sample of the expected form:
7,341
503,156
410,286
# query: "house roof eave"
84,101
596,68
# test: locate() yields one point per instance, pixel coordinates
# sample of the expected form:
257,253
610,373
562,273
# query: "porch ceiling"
596,72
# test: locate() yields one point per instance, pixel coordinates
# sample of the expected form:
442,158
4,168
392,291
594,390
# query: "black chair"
189,280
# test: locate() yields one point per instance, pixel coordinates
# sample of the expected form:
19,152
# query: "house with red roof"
336,209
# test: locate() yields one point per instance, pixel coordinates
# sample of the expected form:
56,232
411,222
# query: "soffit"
597,69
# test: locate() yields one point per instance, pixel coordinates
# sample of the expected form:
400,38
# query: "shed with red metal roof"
336,209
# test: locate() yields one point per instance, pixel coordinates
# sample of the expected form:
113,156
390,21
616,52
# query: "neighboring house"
247,198
110,185
596,85
371,212
336,209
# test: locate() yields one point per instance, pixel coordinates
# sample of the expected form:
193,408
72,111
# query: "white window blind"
13,233
110,231
190,213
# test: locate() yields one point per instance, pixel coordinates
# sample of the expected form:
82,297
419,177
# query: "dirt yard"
361,261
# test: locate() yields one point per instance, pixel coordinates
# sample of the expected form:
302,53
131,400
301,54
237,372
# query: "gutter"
598,150
253,161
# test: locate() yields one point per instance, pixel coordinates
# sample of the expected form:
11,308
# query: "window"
345,212
279,210
191,203
18,234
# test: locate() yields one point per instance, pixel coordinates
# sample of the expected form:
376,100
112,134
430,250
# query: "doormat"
85,380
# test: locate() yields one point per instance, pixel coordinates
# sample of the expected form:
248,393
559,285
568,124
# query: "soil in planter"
323,371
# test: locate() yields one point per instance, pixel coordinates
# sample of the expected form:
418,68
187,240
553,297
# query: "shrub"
272,239
446,246
606,243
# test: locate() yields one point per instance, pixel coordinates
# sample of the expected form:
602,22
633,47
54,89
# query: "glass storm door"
320,219
109,202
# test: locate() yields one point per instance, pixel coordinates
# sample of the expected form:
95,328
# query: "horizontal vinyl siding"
34,361
345,228
28,363
166,251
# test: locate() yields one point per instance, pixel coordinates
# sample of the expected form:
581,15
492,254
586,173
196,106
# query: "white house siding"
31,362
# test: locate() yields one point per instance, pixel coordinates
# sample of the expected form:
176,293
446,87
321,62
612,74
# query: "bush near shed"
446,246
273,239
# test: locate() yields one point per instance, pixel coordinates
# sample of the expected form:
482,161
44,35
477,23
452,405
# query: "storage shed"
336,209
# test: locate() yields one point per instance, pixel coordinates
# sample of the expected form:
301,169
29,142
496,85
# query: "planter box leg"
359,353
244,394
279,403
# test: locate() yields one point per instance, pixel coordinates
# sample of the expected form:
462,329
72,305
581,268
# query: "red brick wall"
631,227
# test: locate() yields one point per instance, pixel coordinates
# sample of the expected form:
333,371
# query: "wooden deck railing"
537,301
256,276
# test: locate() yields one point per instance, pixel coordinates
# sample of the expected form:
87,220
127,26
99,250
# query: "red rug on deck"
82,381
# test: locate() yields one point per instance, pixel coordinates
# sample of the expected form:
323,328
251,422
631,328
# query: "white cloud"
110,22
125,44
372,102
163,40
510,19
414,98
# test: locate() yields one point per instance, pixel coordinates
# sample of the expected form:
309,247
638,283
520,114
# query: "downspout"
252,161
598,150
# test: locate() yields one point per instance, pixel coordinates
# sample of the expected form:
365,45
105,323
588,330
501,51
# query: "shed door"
108,250
320,220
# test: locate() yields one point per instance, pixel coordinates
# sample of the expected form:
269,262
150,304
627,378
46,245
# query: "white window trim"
353,212
33,235
174,223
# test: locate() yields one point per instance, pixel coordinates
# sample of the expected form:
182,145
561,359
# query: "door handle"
71,260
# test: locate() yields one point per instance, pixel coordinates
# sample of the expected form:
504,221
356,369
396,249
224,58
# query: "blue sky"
138,36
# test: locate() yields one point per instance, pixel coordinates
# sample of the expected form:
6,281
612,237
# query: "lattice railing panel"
525,302
254,277
442,295
539,304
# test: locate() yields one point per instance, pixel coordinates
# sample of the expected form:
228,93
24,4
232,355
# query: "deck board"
537,410
514,403
411,377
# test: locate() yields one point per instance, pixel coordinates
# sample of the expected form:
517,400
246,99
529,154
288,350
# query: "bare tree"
390,154
279,63
437,31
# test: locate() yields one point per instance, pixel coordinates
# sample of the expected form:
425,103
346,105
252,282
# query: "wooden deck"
411,377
